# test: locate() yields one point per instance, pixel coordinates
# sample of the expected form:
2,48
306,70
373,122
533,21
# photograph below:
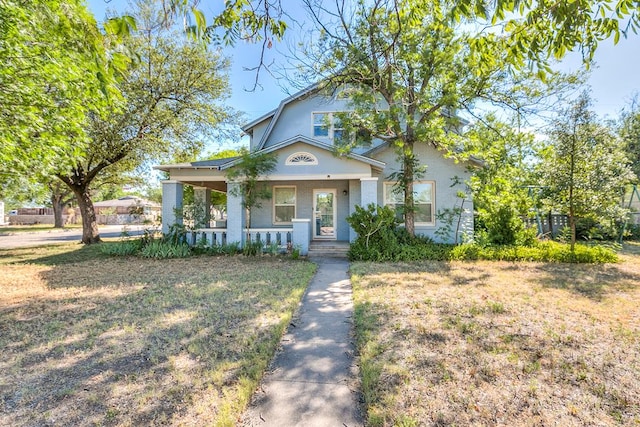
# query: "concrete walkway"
313,379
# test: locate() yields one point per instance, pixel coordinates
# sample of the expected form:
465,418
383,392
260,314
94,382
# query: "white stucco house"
313,189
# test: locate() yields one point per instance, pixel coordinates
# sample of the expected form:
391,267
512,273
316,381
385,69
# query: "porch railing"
208,237
218,236
270,236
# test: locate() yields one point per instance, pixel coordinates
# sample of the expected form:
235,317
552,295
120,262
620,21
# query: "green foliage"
170,102
54,72
162,249
372,224
406,68
629,130
548,251
252,248
503,226
251,167
122,248
585,168
379,237
542,252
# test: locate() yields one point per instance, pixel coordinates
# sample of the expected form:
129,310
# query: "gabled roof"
275,114
314,142
223,164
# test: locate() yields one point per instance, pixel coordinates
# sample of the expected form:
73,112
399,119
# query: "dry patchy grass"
90,340
499,343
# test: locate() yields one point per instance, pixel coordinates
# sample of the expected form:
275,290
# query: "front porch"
320,209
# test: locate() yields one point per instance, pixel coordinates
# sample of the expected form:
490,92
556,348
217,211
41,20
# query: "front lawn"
89,340
499,343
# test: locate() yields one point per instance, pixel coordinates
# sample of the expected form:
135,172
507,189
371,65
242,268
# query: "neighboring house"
313,189
126,210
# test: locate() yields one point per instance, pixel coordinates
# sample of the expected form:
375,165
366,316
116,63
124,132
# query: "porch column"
354,199
301,234
368,191
202,197
235,213
171,201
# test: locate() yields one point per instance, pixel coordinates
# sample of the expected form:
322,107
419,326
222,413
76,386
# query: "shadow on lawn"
57,254
593,281
139,348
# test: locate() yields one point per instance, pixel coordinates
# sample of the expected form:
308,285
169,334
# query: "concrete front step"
329,249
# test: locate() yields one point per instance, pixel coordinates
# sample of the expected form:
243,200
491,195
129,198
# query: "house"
313,189
126,210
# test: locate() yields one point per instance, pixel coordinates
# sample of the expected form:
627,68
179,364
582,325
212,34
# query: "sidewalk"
313,380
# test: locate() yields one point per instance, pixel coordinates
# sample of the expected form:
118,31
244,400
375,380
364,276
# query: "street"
37,238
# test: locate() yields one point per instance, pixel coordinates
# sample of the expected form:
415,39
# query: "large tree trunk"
61,195
90,232
408,175
58,206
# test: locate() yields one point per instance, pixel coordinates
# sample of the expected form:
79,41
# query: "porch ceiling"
219,186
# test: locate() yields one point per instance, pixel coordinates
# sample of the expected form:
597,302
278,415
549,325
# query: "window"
327,125
423,198
321,124
284,204
301,158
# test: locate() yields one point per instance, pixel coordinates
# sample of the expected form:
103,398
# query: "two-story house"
314,190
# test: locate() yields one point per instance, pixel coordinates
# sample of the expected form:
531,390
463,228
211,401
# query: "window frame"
276,205
331,127
393,204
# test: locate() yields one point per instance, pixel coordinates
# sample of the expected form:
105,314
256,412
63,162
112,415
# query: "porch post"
301,234
368,191
354,199
202,197
235,213
171,200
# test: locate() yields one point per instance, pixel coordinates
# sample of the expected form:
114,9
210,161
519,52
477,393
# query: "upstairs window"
327,125
321,125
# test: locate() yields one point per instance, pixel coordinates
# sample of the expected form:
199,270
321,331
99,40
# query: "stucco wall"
328,163
296,118
440,170
263,217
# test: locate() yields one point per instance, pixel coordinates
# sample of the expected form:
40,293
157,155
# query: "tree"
407,67
630,133
59,197
537,29
585,167
499,186
251,168
170,102
54,71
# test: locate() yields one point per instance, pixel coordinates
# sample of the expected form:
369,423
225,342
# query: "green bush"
162,249
542,252
503,226
121,248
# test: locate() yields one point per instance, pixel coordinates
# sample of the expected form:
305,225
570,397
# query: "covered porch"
312,189
316,211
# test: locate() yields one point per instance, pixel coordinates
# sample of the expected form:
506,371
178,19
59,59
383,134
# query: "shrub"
121,248
162,249
543,252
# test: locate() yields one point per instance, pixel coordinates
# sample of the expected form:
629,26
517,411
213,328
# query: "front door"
324,209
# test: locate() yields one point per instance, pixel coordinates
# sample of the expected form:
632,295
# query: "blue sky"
613,81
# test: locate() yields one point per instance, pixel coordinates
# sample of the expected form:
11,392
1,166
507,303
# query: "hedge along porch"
313,191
